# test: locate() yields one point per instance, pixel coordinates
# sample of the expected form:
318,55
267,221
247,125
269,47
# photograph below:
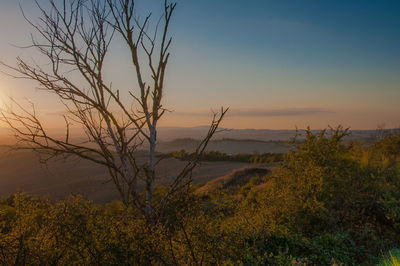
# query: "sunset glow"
292,58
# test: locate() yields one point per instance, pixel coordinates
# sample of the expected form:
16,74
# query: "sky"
276,64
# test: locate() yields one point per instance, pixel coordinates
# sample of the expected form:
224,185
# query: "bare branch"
75,38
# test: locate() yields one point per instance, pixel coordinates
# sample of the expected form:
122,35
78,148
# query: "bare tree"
75,36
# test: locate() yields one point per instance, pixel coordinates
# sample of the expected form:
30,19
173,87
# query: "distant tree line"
213,156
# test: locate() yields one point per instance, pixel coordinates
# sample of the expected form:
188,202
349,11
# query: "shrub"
391,259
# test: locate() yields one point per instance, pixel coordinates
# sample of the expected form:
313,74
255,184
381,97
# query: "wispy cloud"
261,112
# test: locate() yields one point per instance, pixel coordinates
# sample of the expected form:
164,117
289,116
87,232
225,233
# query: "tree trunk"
151,173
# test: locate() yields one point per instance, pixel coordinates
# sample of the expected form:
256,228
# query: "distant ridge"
173,133
198,132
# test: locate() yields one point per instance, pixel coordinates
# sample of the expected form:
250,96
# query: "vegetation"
392,259
238,180
328,203
220,156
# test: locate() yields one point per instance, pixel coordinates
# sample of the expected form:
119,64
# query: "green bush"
391,259
325,190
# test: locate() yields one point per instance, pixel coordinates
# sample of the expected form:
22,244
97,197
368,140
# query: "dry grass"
22,171
234,180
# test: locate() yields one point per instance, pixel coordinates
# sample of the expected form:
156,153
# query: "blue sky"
297,33
277,64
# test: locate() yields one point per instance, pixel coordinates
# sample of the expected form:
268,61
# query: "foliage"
330,203
328,188
220,156
391,259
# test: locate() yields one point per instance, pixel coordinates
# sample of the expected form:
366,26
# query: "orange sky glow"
299,69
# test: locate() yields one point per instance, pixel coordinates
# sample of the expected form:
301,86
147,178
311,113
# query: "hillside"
21,170
233,181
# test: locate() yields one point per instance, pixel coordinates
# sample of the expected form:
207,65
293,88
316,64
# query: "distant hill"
229,146
166,134
172,133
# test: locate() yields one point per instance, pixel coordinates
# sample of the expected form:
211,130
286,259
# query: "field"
22,171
